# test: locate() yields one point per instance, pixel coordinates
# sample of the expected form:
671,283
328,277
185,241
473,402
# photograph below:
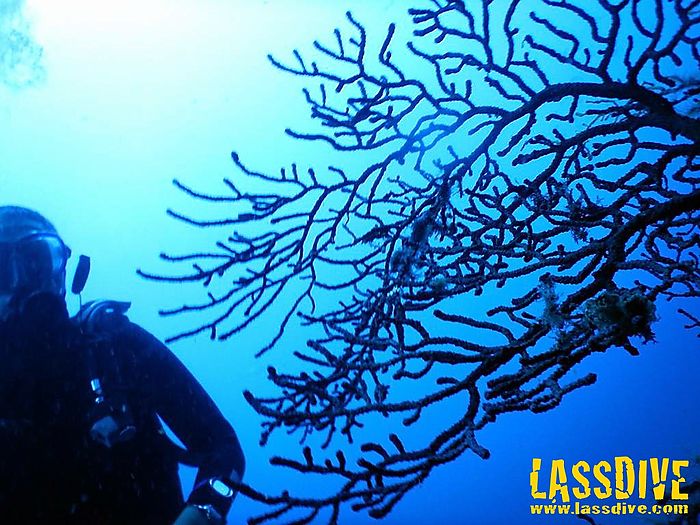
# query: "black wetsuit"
52,471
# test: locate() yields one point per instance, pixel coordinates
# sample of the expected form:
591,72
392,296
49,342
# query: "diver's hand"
191,516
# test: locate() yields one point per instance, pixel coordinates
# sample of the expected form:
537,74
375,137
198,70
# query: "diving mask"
32,263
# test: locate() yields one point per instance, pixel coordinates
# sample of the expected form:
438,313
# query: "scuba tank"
111,419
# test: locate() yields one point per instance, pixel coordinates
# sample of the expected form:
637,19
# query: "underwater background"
133,94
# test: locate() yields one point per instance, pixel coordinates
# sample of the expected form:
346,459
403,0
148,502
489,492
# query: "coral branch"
533,201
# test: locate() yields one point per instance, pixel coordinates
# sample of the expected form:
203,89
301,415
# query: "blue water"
133,94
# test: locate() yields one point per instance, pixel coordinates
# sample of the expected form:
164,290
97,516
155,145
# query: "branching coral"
531,193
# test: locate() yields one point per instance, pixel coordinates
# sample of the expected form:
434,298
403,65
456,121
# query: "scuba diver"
83,398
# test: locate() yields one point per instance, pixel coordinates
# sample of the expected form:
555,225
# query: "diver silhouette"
82,399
